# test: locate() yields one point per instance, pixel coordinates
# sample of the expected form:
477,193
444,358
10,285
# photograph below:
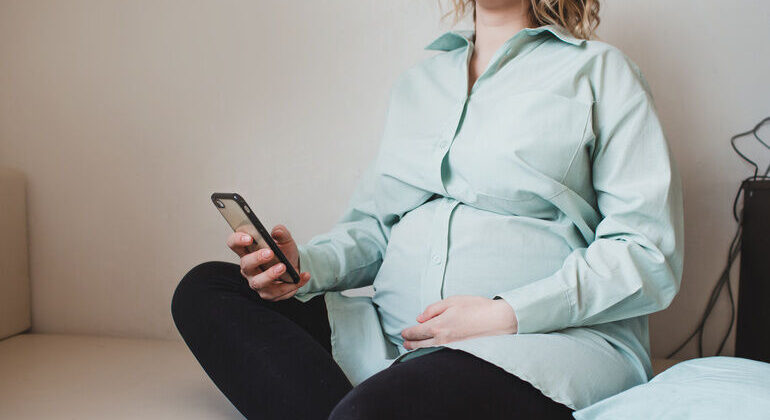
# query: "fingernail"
266,253
245,238
279,268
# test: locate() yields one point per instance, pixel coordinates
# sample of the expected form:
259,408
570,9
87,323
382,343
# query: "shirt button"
436,259
443,144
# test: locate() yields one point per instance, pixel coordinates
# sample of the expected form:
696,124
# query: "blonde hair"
579,17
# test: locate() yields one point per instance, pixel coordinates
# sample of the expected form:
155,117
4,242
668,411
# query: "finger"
418,332
281,290
238,242
291,289
265,279
276,292
259,270
304,277
281,235
250,263
411,345
432,310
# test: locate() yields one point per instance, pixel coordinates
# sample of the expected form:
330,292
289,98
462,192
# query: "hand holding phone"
269,261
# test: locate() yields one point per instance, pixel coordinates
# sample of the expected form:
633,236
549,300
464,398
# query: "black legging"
273,361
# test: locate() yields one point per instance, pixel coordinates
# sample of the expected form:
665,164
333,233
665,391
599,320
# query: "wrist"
508,321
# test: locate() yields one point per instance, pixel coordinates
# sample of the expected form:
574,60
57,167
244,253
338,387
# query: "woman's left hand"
459,318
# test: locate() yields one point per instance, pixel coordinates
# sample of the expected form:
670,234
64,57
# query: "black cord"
732,253
754,132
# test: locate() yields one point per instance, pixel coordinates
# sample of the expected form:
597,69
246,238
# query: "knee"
360,403
195,285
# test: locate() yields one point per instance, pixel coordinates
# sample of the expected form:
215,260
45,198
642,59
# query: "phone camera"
219,204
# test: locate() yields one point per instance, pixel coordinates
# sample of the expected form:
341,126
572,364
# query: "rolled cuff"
322,266
540,307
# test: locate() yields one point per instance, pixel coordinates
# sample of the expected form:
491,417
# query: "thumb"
281,236
303,279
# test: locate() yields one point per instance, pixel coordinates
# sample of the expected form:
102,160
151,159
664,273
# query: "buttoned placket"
433,276
432,284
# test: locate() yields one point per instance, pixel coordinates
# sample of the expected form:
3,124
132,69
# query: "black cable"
723,280
732,253
755,133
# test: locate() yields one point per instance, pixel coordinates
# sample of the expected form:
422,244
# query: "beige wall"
126,115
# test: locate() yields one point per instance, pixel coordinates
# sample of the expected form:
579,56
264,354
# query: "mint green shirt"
550,185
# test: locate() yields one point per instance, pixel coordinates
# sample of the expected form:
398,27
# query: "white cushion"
80,377
709,388
14,269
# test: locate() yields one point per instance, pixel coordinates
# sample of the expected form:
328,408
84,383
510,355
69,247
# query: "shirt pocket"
530,140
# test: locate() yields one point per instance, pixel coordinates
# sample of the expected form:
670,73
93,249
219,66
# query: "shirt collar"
459,38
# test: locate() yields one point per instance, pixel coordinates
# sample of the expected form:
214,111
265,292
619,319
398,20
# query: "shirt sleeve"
350,254
633,266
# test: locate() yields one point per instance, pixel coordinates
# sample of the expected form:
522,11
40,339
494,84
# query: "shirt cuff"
540,307
321,265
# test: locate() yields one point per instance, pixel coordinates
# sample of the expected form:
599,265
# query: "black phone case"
249,213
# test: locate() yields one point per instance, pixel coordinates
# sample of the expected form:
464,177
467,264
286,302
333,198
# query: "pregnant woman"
522,218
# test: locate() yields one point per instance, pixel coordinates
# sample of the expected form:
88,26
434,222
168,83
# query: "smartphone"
241,218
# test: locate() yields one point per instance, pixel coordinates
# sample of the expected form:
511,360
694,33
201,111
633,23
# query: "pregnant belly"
488,253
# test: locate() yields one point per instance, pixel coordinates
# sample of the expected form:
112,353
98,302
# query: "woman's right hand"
265,282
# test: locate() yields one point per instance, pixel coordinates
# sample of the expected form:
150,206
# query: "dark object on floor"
752,338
